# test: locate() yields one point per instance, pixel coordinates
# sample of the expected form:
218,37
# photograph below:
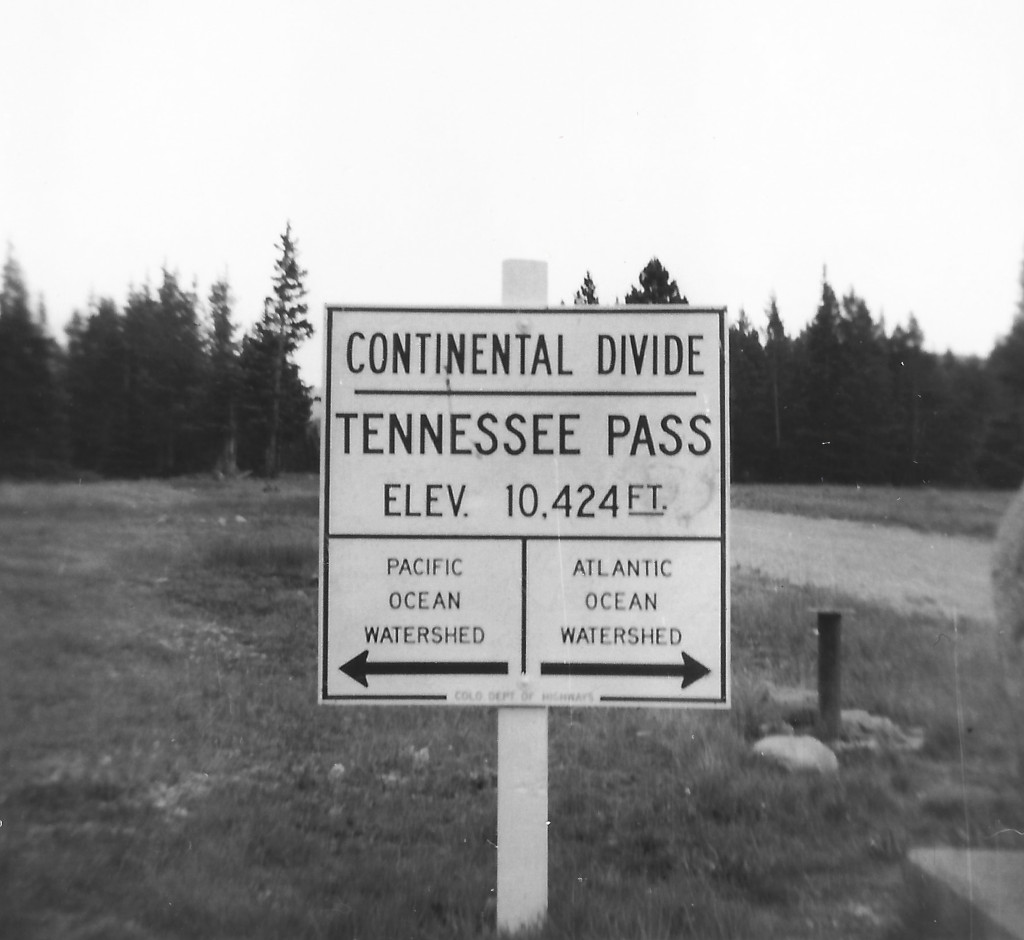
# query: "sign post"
525,507
522,732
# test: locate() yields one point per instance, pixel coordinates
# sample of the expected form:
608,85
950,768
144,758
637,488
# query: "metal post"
830,624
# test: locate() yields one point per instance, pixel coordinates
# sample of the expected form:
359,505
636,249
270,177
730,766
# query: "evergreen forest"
161,387
164,386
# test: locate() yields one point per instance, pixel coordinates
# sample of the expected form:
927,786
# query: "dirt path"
905,569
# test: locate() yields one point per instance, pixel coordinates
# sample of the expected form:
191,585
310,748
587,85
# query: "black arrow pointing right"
689,670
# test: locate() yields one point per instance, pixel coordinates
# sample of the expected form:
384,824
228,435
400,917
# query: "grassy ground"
949,512
167,773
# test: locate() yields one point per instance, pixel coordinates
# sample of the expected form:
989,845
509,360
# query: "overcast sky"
415,145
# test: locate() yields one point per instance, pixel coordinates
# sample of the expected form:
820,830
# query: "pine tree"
818,368
166,378
656,287
907,360
30,438
223,389
1002,462
587,294
749,410
97,382
777,350
864,419
284,326
256,370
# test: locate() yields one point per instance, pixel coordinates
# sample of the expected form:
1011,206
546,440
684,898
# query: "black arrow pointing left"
689,670
359,668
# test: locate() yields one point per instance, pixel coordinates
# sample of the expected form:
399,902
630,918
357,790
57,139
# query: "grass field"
948,512
167,773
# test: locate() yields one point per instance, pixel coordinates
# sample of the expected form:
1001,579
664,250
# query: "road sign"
525,507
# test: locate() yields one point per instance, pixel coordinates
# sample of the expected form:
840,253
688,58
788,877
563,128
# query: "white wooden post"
522,817
522,732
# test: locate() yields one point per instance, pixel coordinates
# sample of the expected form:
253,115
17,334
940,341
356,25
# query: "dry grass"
947,512
167,772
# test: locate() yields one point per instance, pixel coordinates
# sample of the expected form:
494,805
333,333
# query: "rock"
857,722
241,520
797,753
421,757
861,729
1008,600
949,798
337,772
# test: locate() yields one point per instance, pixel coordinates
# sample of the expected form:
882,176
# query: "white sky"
415,145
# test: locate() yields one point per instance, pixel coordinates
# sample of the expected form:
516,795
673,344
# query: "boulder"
796,753
860,729
1008,598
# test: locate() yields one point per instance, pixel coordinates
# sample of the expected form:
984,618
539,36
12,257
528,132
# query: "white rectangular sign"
525,507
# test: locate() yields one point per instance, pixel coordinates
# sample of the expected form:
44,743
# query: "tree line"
164,387
161,387
847,401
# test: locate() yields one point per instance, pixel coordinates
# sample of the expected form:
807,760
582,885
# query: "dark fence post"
830,624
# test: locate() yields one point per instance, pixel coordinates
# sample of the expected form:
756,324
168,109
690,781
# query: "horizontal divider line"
408,698
661,698
536,538
592,311
524,393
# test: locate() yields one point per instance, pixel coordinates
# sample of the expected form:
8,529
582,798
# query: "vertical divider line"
522,602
